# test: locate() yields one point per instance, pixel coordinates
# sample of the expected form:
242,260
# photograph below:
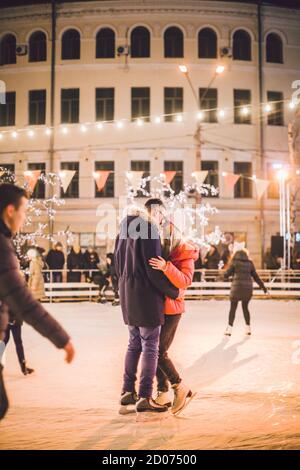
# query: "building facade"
121,103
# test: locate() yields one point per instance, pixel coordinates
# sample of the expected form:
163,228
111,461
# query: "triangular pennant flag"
100,177
169,176
31,178
135,178
66,177
200,176
230,179
261,186
2,173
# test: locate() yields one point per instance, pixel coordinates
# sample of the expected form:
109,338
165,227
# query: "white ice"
248,388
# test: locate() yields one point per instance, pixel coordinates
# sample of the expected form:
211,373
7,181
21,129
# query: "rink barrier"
280,284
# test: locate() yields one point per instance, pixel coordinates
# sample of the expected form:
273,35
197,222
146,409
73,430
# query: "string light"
268,108
244,110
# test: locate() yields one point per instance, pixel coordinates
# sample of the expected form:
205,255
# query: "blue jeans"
142,341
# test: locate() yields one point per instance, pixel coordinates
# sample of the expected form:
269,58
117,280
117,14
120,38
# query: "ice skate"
127,403
182,396
248,330
164,398
228,331
147,410
26,370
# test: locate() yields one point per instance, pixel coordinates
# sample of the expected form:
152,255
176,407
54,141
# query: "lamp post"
197,135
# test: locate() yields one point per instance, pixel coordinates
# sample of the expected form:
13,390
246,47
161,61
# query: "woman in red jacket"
179,269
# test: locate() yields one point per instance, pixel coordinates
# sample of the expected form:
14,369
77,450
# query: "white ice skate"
164,398
228,331
182,397
248,330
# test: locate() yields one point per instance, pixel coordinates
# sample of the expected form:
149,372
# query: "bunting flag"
100,177
230,179
66,177
261,186
200,176
31,178
2,173
135,179
169,176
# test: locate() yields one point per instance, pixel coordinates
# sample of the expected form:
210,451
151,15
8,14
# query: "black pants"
233,307
16,331
3,396
166,371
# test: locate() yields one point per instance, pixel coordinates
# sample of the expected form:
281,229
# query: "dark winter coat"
212,260
91,259
243,272
16,297
75,261
55,259
142,289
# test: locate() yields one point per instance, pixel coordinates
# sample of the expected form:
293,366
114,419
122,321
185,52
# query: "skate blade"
126,409
148,417
187,401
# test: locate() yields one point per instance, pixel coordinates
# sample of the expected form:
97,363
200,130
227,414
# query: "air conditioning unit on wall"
226,51
21,49
123,50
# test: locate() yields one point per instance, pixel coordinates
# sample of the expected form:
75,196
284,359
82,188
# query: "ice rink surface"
248,389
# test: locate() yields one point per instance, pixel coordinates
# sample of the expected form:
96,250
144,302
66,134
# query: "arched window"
70,45
207,44
105,44
173,42
8,49
274,49
140,42
241,45
37,47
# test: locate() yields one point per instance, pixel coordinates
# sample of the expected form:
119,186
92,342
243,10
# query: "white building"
93,83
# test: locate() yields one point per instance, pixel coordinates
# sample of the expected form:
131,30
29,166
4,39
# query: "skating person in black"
14,327
242,271
15,296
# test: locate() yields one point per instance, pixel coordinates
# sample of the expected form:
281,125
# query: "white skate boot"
164,398
228,331
248,330
182,396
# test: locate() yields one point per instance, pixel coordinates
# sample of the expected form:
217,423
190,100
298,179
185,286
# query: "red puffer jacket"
180,271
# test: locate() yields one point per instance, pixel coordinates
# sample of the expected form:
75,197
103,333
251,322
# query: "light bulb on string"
83,128
64,130
157,120
14,135
268,108
48,131
99,125
120,124
30,133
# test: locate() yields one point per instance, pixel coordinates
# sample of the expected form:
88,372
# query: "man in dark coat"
142,293
14,293
55,259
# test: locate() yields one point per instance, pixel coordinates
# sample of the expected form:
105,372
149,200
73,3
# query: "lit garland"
38,208
244,110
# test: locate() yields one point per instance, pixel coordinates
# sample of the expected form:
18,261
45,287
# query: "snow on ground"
248,388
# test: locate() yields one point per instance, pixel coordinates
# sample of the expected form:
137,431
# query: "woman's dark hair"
11,194
240,254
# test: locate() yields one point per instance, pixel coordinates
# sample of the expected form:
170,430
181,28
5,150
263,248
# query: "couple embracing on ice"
154,265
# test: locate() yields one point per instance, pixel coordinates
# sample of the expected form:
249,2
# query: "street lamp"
197,136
